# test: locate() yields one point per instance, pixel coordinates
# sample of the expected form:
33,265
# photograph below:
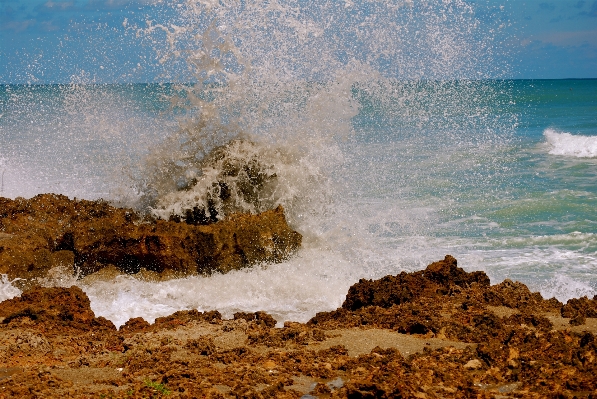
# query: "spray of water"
276,86
273,101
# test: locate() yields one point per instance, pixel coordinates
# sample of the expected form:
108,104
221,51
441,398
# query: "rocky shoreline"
436,333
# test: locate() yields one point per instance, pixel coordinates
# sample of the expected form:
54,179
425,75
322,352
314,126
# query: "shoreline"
439,332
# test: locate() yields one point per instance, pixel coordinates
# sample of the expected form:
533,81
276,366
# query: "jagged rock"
51,231
134,325
447,273
60,307
54,347
580,306
405,287
516,295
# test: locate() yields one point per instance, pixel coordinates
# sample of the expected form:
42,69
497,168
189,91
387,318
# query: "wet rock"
437,278
51,231
55,307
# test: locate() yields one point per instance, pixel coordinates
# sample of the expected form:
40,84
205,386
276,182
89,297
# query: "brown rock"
260,318
580,306
61,307
182,317
512,294
52,347
438,277
51,231
134,325
447,273
473,364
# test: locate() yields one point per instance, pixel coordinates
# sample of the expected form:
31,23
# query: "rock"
583,306
268,365
57,306
50,231
54,347
182,317
202,346
578,320
261,318
512,294
133,325
447,273
442,301
438,277
473,364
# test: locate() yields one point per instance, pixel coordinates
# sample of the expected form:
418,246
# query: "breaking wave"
272,90
567,144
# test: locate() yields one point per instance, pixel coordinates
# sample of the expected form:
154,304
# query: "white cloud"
63,5
566,39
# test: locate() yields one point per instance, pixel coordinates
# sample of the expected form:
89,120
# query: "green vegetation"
161,388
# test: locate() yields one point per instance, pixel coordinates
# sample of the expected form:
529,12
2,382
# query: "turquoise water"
500,174
519,202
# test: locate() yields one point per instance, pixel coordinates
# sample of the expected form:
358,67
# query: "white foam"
565,287
567,144
295,290
7,290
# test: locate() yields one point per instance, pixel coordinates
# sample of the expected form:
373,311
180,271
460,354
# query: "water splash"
336,110
287,79
7,289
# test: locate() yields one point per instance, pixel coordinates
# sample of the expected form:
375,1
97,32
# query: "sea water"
383,163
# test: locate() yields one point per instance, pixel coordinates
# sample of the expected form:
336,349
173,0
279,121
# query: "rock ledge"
51,231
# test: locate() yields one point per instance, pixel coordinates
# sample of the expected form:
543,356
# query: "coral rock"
51,231
406,287
61,307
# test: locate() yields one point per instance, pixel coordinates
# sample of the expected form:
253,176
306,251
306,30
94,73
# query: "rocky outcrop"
51,231
418,302
502,344
55,308
439,277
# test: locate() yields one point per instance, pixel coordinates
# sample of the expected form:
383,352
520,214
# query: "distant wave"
571,145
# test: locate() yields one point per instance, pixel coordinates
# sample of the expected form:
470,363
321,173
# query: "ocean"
380,174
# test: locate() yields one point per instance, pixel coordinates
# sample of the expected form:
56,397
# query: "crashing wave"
239,176
571,145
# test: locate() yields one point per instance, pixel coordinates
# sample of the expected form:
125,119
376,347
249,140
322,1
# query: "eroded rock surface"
437,278
461,338
59,309
51,231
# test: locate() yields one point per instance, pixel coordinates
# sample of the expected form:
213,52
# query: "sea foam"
567,144
7,290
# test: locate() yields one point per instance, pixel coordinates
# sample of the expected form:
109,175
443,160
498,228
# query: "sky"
65,41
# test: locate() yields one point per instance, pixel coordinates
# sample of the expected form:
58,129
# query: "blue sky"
43,41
